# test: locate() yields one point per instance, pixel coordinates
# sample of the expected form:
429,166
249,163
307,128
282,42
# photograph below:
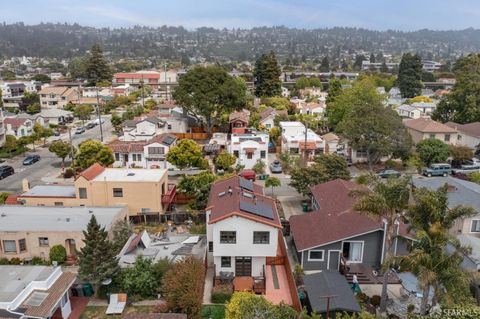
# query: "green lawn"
94,312
213,312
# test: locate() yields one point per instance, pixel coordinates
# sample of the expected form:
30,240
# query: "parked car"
438,170
97,121
276,167
80,130
6,171
90,125
388,172
56,133
248,174
467,169
30,159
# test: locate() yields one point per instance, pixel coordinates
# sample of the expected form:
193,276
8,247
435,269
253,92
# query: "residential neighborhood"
238,171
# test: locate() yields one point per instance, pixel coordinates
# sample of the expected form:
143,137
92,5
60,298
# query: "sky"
405,15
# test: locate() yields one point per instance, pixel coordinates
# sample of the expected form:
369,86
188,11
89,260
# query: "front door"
333,259
243,266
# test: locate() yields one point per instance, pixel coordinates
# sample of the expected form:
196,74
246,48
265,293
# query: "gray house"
336,236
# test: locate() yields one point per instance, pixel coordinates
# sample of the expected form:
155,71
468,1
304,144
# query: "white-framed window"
475,227
316,255
353,251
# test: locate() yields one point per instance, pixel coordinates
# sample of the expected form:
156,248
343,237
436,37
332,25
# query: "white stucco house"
145,154
242,228
147,128
408,111
18,127
249,147
293,139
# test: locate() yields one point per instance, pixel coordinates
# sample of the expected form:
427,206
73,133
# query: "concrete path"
207,290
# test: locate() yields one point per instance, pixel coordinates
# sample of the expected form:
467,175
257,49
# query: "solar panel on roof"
169,139
259,209
246,183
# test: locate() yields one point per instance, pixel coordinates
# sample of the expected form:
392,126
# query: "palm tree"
434,265
385,201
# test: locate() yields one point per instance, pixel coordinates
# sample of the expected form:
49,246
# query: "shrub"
222,293
375,300
410,308
198,229
15,261
259,167
3,197
58,253
182,287
393,164
68,173
362,179
160,308
4,261
474,177
38,261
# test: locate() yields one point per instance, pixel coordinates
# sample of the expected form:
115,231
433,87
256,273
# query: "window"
432,135
228,237
263,154
294,150
22,244
155,150
447,138
316,255
226,262
58,203
43,241
261,237
9,246
459,137
169,126
82,192
353,251
268,125
145,210
118,192
117,157
235,153
249,155
210,246
475,226
139,157
136,157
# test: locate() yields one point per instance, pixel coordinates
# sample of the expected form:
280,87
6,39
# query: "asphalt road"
49,165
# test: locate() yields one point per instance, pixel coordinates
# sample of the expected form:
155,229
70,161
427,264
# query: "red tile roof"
11,200
118,146
14,122
335,220
136,75
92,172
224,204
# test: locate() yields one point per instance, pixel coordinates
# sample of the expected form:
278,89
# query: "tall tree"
410,75
61,148
208,92
93,151
267,76
83,112
97,257
1,99
334,90
325,65
462,104
434,265
97,68
186,154
432,150
386,202
372,58
367,125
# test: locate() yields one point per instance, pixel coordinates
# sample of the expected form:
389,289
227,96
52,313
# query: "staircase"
71,260
362,278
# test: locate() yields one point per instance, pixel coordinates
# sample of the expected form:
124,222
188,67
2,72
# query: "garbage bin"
305,207
87,290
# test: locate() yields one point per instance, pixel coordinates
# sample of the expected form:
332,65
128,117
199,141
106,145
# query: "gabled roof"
119,146
164,138
92,172
15,122
335,220
330,137
472,129
239,116
426,125
235,196
271,111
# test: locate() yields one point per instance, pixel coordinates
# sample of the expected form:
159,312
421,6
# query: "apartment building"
56,97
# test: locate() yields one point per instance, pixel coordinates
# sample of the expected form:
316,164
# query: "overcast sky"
371,14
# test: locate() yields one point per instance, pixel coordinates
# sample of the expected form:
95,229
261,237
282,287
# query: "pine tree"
97,258
267,76
372,58
97,68
325,65
410,75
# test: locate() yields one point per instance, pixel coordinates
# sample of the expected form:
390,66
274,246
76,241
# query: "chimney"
25,185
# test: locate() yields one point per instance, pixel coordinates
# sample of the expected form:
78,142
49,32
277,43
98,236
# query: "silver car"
276,167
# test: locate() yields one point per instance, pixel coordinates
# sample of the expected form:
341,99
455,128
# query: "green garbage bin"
87,290
305,207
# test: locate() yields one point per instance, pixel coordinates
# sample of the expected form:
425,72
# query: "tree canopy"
267,76
410,75
97,68
62,149
462,104
224,160
197,187
93,151
432,150
208,92
186,154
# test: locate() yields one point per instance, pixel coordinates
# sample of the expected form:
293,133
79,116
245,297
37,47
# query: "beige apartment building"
142,191
31,231
56,97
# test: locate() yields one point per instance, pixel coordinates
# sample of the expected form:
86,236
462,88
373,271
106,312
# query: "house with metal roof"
35,292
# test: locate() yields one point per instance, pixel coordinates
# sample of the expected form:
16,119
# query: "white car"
97,121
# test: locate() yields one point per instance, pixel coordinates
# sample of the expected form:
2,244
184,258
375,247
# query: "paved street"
49,165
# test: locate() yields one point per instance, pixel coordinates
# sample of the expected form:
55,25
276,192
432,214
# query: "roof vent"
131,174
90,211
67,219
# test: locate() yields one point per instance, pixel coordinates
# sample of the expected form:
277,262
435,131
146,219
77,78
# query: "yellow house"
143,191
30,231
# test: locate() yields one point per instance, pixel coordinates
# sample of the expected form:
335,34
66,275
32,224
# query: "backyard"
98,312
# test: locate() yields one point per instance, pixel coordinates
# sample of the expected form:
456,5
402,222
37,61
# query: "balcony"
169,197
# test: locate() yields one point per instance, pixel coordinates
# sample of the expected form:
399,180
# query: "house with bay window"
336,237
146,154
249,147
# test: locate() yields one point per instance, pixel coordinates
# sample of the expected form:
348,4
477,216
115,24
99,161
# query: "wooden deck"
366,275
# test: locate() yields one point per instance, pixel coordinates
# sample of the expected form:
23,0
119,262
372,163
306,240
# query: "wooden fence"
288,269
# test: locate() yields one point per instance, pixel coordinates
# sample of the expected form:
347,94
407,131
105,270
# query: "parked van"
438,170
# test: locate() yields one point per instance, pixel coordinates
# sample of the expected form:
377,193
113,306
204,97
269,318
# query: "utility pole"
165,72
72,154
305,146
143,93
99,115
328,303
